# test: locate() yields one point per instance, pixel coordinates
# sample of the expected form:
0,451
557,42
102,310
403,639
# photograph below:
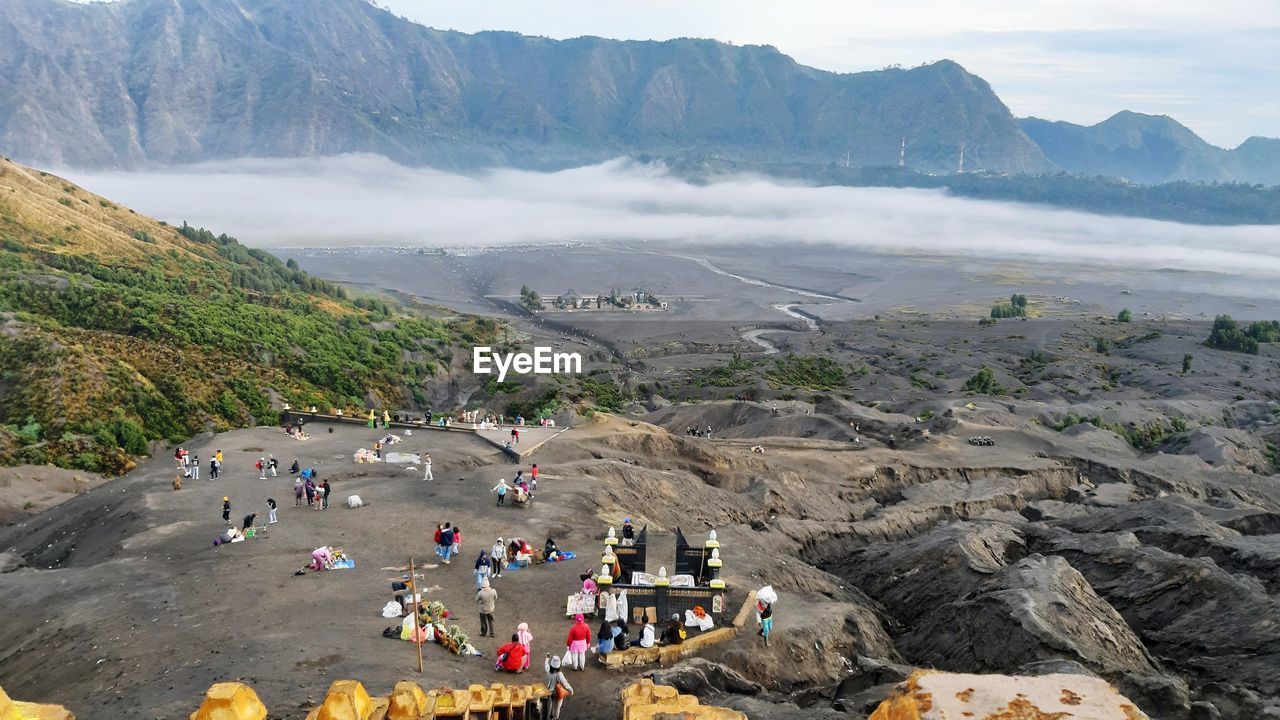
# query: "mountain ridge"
177,81
136,83
1152,149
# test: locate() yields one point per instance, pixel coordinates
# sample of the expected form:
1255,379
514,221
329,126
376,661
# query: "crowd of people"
612,633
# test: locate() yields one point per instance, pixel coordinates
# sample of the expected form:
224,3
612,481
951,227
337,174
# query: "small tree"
1186,363
1102,345
1125,316
984,383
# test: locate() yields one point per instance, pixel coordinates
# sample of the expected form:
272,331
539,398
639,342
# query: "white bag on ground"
392,609
354,501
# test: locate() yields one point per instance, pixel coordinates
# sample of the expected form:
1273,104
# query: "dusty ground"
1143,547
28,490
885,557
127,609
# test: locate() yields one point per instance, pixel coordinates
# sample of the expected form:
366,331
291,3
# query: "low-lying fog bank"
368,200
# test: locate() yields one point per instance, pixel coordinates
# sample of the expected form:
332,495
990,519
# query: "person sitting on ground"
604,640
321,559
293,469
511,656
524,554
673,633
621,636
646,634
550,552
248,520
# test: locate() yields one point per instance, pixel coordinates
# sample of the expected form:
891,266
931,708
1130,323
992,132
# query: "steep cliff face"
175,81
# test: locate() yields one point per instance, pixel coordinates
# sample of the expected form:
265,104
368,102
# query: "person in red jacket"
579,639
511,656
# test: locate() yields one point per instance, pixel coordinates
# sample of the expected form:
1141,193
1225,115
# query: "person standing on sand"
486,600
226,509
218,456
525,638
457,540
310,488
557,683
271,511
273,465
533,478
579,638
261,465
213,468
496,555
766,622
446,542
327,489
501,488
297,492
426,464
483,570
195,467
438,540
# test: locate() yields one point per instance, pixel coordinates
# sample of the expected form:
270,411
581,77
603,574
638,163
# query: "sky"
1214,66
368,200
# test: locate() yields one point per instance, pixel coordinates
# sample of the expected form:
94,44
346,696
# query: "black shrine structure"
708,590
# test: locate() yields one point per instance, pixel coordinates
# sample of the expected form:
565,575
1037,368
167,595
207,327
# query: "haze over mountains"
141,82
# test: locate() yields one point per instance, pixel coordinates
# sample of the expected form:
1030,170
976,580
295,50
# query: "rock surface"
944,696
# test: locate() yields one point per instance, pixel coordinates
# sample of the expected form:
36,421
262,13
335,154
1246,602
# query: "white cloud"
367,200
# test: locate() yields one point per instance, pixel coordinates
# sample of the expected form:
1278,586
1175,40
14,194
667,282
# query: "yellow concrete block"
501,695
668,712
664,694
347,700
230,701
409,702
451,703
40,711
519,694
481,703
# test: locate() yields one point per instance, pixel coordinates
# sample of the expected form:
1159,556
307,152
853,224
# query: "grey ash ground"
1125,523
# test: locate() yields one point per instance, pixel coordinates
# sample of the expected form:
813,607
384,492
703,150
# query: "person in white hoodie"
646,635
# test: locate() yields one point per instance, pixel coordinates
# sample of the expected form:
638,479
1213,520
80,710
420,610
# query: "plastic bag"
767,595
567,660
392,609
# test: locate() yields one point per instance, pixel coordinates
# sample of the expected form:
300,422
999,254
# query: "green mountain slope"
177,81
1152,149
116,329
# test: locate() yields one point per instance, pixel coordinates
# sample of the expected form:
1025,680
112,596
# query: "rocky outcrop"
935,696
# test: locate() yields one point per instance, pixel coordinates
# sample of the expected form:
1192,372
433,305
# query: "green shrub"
984,383
1227,335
